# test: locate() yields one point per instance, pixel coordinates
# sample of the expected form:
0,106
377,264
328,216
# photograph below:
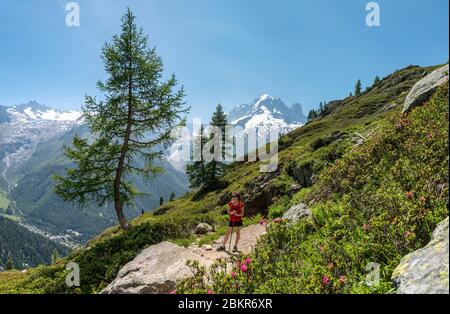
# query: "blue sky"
227,51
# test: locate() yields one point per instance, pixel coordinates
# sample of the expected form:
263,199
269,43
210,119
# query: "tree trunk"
118,179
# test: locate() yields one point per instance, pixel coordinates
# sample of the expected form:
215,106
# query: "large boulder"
154,271
424,88
297,212
203,228
426,271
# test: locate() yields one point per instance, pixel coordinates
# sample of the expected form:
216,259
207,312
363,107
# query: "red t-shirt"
238,208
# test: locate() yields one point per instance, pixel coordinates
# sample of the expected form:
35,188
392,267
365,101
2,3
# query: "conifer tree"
376,80
216,168
312,115
172,197
358,88
10,263
161,201
321,108
196,171
132,123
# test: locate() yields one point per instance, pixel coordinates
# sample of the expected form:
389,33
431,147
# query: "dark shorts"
236,223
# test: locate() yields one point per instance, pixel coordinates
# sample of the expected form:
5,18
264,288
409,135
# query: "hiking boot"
221,248
235,249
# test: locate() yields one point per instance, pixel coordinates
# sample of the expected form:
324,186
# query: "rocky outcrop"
157,268
424,88
426,271
303,173
297,212
203,228
260,194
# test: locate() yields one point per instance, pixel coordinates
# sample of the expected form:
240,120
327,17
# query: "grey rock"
203,228
154,271
425,271
302,174
424,88
297,212
207,247
388,107
294,188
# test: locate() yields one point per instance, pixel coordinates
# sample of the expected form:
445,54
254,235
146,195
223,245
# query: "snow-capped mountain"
31,151
23,127
267,111
33,111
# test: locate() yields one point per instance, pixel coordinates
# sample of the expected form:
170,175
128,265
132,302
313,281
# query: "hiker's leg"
238,235
227,235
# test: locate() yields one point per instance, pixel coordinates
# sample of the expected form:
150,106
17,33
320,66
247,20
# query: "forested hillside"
25,248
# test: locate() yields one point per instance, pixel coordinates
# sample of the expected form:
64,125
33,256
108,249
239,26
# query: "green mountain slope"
25,247
376,204
43,208
340,161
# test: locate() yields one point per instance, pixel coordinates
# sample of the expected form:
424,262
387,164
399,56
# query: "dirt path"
158,268
248,240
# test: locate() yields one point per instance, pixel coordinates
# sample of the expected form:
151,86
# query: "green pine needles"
130,127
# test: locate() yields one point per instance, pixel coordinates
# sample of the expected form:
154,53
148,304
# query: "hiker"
236,212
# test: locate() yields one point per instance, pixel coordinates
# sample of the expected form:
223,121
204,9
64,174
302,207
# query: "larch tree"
130,127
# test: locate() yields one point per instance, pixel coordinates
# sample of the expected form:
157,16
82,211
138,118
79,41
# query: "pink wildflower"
248,260
233,274
342,280
325,280
173,292
210,292
410,195
244,268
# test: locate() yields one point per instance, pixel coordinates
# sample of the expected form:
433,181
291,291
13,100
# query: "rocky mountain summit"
265,112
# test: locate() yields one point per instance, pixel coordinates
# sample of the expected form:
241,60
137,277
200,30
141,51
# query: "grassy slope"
376,204
113,248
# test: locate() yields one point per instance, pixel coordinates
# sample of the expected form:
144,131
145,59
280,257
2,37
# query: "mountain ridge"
267,111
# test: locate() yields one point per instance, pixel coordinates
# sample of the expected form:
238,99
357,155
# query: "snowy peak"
267,111
33,111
